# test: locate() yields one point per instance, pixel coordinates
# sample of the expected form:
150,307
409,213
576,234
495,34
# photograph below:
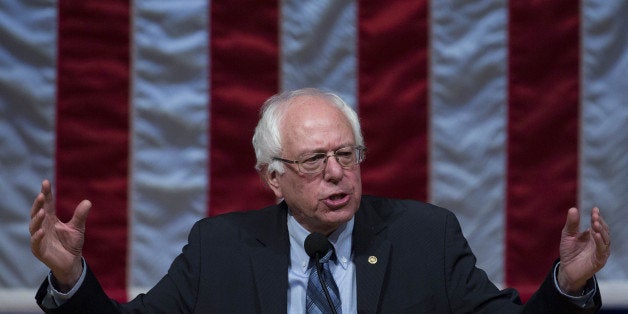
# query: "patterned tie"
316,301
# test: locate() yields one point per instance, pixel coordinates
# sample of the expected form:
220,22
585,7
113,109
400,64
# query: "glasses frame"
359,151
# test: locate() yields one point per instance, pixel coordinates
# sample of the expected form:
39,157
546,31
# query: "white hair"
267,137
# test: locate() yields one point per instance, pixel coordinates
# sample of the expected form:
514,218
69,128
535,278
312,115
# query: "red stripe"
543,135
244,72
92,130
393,96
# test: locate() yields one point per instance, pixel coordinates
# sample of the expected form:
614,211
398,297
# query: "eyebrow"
323,151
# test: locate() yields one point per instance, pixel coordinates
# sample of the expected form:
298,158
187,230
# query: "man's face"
323,201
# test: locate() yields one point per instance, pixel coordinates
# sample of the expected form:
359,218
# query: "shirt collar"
340,240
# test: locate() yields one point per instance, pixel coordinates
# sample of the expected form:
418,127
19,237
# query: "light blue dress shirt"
343,269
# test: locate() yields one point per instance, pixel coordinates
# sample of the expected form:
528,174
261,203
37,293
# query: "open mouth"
337,196
338,200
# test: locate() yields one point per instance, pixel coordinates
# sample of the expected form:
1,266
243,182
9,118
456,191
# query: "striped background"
507,113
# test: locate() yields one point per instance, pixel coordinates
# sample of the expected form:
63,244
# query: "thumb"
572,225
80,214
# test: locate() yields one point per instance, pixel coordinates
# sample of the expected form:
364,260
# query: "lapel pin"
372,259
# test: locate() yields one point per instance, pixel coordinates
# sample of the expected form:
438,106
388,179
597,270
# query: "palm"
61,244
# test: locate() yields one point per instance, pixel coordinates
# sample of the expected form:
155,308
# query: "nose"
333,171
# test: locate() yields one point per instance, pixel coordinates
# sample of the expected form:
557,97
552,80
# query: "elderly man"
375,254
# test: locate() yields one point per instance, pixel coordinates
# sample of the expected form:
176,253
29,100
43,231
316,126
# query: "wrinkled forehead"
309,110
316,120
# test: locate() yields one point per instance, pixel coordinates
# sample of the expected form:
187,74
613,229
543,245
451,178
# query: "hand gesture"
582,254
58,245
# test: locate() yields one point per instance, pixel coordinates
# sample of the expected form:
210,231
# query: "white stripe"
468,93
614,294
318,49
27,123
318,46
168,181
604,146
18,301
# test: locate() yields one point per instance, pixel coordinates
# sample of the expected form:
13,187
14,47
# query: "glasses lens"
312,163
346,156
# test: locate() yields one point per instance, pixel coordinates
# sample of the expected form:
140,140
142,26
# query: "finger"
80,214
36,240
36,221
36,244
600,243
572,225
38,203
599,226
46,190
597,215
45,186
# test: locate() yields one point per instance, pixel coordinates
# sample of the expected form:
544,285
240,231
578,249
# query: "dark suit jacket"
238,263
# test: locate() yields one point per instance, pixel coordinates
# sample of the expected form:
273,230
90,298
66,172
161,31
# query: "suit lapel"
271,255
269,259
371,255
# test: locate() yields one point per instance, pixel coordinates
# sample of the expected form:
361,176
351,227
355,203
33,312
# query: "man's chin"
339,216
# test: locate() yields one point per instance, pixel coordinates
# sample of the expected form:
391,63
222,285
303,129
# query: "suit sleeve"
470,290
551,300
175,293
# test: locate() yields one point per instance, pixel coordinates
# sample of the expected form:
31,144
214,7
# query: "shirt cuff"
583,300
59,297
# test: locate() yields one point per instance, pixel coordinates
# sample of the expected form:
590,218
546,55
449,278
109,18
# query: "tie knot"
322,260
329,255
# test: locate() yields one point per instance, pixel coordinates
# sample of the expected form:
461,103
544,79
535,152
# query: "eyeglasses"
346,157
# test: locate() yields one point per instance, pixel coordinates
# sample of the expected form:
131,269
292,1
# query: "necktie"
316,301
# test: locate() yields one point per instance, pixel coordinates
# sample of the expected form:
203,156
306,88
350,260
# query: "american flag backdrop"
507,113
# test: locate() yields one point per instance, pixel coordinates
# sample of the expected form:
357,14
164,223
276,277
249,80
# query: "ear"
272,178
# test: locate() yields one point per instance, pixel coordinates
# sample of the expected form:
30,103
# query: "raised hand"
582,254
58,245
